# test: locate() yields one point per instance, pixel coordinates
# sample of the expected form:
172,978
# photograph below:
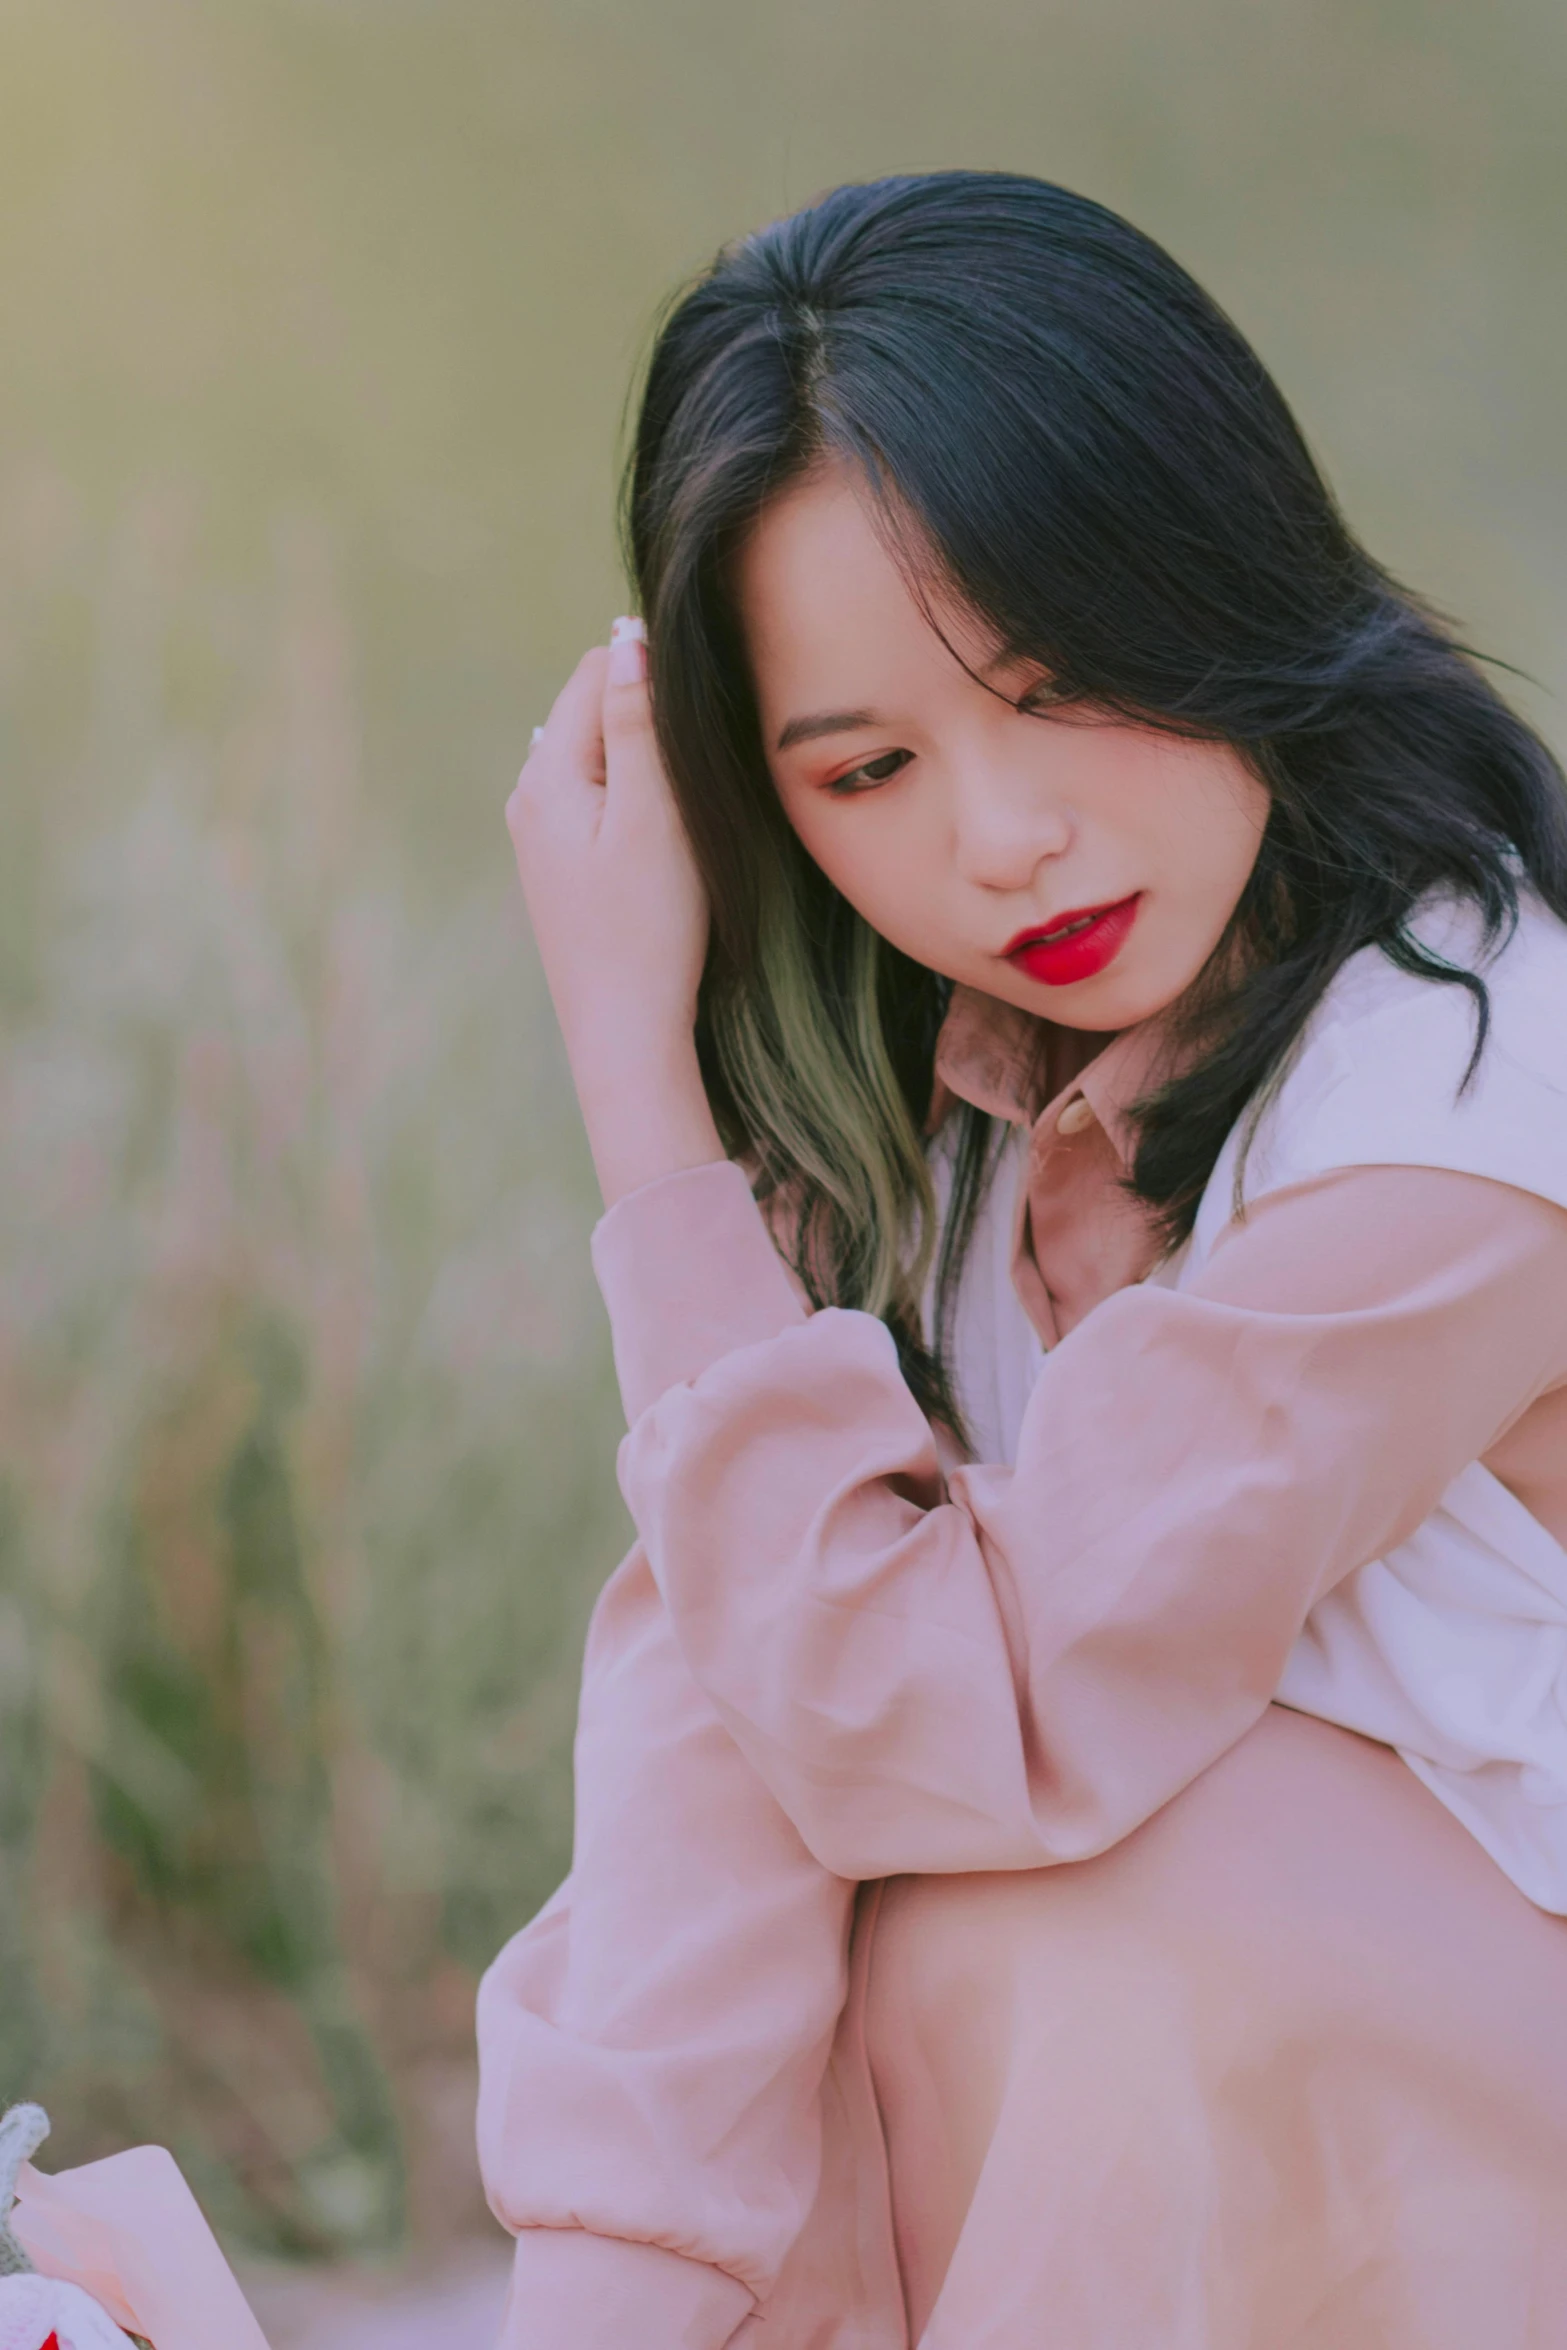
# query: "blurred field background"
318,321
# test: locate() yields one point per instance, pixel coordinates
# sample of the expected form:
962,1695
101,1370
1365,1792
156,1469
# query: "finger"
566,755
630,751
574,729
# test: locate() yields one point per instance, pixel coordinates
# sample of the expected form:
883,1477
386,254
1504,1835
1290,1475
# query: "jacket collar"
1016,1066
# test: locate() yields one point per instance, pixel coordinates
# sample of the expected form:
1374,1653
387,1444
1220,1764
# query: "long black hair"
1055,418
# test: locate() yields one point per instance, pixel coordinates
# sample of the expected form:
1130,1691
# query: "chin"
1111,1003
1123,999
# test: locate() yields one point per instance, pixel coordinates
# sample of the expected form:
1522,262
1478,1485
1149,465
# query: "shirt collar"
1016,1066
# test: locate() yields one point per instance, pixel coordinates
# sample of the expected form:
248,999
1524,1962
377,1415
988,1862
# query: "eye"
1041,697
866,778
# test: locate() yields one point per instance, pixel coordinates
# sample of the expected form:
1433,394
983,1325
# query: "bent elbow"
863,1823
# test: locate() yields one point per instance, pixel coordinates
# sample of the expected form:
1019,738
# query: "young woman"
1065,967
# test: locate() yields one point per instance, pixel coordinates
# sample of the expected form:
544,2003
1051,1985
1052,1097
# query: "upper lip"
1062,921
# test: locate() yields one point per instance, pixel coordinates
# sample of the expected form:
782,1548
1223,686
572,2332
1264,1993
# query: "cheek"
874,862
896,879
1238,814
1207,812
825,843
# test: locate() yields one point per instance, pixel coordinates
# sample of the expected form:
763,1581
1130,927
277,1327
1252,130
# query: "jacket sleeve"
1016,1667
652,2045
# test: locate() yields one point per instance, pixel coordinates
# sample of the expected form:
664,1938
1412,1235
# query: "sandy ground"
454,2307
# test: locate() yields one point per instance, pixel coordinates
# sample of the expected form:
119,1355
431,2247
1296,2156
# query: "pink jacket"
826,1661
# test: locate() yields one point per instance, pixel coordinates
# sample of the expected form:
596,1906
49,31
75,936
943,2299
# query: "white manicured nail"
627,651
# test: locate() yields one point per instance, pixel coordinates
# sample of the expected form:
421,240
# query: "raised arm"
652,2046
1020,1667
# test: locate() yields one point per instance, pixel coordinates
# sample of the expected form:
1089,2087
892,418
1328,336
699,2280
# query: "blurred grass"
319,315
307,1434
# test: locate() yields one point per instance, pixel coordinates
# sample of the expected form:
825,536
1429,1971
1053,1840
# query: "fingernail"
627,652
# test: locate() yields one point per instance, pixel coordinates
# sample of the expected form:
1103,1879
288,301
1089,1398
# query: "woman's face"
967,831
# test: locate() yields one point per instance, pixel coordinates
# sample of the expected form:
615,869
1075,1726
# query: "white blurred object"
33,2308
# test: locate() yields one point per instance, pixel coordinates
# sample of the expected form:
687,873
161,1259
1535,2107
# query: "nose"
1006,823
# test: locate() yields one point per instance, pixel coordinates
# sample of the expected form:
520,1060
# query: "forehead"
828,612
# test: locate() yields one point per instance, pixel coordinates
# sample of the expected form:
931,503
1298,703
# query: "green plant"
305,1422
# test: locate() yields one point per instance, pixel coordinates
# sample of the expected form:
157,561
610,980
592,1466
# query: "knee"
976,1976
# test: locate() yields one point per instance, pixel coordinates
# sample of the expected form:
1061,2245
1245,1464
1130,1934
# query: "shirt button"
1075,1117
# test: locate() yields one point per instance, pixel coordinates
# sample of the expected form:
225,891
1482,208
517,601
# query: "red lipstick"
1077,945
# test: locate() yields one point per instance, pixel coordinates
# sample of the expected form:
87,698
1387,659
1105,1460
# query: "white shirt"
1452,1648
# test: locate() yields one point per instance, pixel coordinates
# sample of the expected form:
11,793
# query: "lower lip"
1065,962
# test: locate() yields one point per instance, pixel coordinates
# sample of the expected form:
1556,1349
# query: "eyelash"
845,787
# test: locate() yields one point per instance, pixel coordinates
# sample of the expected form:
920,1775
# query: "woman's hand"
620,917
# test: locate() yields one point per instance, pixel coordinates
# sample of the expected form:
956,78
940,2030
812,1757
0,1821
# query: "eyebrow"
810,730
822,722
